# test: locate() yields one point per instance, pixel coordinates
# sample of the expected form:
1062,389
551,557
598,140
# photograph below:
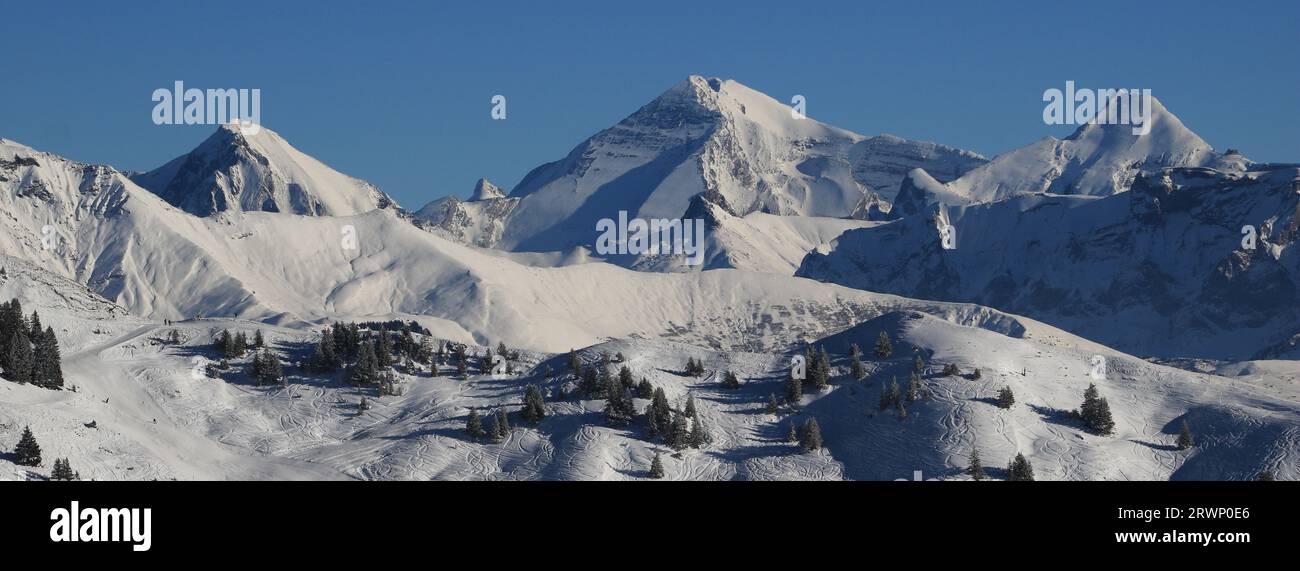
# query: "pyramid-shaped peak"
484,190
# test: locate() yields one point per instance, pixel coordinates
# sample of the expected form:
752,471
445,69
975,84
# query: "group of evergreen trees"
29,352
63,471
1018,470
28,453
679,430
498,427
892,395
694,368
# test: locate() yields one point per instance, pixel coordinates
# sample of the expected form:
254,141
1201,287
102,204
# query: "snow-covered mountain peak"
241,169
1098,159
484,190
741,149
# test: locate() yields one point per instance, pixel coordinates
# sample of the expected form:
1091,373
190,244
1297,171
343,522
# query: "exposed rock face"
478,221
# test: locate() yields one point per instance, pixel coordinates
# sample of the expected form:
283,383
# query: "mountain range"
1104,243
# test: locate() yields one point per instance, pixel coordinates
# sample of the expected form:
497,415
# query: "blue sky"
398,93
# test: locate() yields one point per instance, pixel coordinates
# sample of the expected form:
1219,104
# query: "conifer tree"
773,406
700,436
473,424
575,366
21,361
919,366
730,381
793,389
1006,398
854,350
644,389
656,468
1185,437
625,380
47,370
810,438
462,363
792,435
662,412
1265,476
819,377
534,410
856,369
651,423
913,387
976,468
884,347
895,395
258,340
689,410
678,435
365,372
1095,412
503,423
62,470
1020,470
28,452
975,375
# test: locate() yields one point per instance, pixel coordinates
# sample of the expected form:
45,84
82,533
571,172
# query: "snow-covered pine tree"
773,406
534,410
679,435
473,424
884,347
625,379
62,471
856,369
976,468
28,452
1020,470
810,438
793,388
656,468
1006,398
1185,440
663,412
21,362
1095,412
